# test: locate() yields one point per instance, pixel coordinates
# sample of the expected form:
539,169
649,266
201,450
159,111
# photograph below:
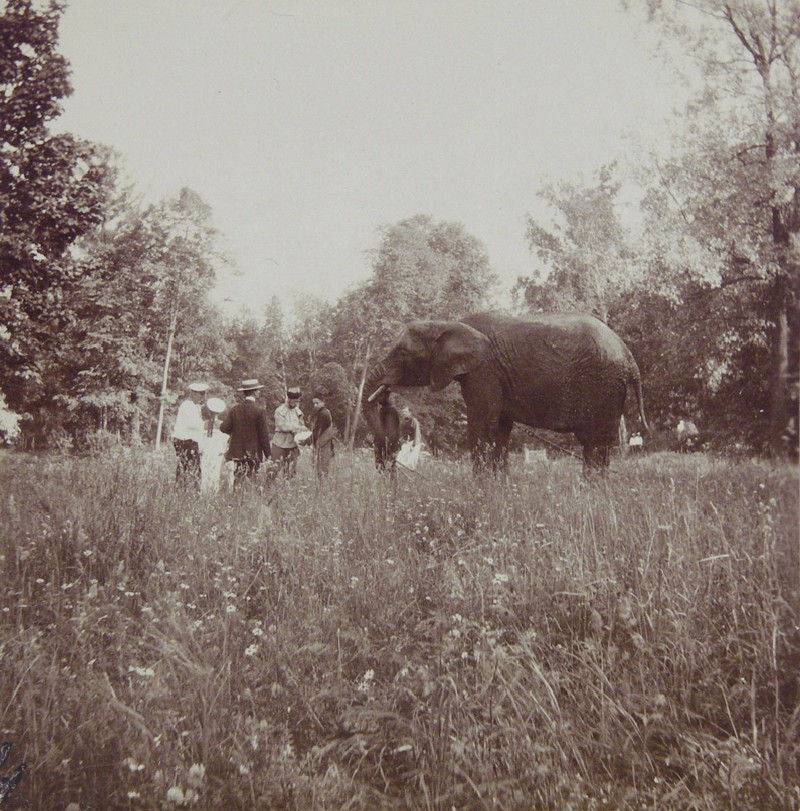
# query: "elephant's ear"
458,350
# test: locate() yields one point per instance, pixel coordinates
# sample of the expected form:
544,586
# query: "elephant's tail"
636,382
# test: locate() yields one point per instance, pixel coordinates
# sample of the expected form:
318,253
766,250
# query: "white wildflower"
197,773
363,683
133,765
146,672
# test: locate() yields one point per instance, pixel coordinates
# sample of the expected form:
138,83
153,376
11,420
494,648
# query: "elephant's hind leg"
500,455
595,458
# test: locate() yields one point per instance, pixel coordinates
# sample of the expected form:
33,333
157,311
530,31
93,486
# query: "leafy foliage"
736,184
586,254
52,190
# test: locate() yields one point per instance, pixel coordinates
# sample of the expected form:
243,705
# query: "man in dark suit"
246,423
323,434
388,445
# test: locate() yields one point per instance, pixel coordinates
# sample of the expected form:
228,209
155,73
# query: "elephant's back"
558,333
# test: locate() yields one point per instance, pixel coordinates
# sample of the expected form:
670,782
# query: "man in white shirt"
288,422
187,435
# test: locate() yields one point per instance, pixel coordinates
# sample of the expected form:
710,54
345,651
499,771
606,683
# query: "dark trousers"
385,460
286,458
322,458
188,453
244,469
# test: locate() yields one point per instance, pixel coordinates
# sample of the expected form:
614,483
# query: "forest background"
100,294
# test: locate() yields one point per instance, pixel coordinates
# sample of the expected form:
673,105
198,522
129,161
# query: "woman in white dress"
214,446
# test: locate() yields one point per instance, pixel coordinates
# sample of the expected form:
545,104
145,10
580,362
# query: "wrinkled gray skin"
564,372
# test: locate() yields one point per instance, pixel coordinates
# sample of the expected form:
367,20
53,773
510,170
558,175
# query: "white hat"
200,387
250,385
215,405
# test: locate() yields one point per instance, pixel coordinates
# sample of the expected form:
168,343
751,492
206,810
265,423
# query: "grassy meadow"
439,642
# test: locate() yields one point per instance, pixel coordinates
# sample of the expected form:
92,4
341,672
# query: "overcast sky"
307,125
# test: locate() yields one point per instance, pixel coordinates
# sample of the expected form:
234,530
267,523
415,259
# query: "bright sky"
306,125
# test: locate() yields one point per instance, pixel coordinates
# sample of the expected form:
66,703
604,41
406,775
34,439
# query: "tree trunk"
173,321
779,393
783,224
359,395
136,423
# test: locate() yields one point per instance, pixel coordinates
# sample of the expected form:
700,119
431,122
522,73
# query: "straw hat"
250,385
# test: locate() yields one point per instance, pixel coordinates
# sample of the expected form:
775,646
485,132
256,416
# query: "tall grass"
439,642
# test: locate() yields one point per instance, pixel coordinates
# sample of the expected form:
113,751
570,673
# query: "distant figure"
188,434
688,436
288,423
411,439
789,437
323,434
636,443
246,423
388,445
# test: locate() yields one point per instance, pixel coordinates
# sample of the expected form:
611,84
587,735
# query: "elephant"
566,372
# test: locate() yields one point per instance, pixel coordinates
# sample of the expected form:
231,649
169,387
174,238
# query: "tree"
53,189
186,252
424,269
737,185
586,254
250,355
107,366
311,329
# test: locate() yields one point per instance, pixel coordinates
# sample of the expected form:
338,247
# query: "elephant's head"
428,353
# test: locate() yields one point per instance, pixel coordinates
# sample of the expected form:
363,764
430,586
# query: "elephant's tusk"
375,394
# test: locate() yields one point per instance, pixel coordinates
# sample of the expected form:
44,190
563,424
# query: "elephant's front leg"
487,429
489,447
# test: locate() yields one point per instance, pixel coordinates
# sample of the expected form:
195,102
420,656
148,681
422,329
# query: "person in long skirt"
215,445
188,434
323,434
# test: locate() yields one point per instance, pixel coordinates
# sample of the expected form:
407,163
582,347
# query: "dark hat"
293,393
318,395
250,385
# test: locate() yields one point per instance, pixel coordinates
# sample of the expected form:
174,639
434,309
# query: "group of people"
242,437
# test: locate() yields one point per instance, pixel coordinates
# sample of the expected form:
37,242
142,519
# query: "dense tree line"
105,312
